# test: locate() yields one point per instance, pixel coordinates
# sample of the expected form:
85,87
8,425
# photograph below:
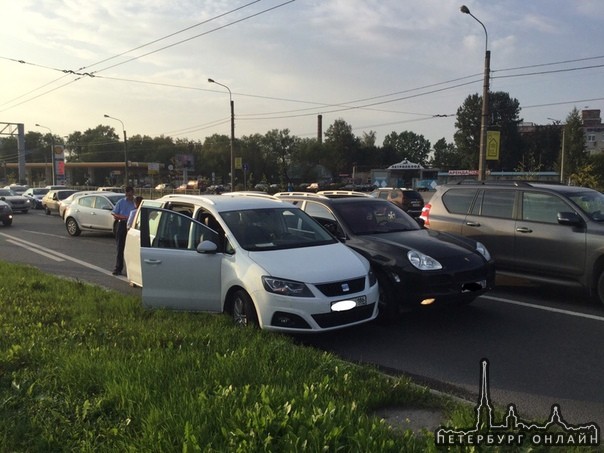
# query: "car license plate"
349,304
361,300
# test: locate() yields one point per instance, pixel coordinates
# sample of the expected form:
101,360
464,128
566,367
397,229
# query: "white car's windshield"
275,228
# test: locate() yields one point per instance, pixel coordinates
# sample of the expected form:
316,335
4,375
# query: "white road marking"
46,234
550,309
55,255
40,252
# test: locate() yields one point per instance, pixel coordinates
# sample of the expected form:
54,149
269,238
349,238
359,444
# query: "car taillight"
425,216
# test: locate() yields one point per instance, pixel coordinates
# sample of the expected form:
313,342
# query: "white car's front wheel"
244,312
72,227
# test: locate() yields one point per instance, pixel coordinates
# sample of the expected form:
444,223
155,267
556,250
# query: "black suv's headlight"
480,248
286,287
423,262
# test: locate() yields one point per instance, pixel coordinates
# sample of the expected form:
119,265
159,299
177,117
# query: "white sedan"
91,212
264,261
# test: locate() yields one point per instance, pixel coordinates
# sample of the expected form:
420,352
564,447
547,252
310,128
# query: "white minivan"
262,260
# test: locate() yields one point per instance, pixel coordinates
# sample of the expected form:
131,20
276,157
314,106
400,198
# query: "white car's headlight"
286,287
372,278
480,248
423,262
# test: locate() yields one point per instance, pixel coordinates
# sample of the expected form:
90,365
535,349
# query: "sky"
382,66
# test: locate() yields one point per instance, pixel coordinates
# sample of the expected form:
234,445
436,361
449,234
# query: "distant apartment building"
594,130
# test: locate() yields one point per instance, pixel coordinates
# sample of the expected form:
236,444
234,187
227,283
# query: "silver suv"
546,232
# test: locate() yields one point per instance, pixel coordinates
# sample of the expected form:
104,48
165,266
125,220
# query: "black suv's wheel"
244,313
72,227
7,222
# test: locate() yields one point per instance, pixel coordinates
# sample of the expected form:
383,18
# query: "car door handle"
150,261
473,224
524,230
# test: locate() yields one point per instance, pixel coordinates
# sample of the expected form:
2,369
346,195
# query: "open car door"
180,262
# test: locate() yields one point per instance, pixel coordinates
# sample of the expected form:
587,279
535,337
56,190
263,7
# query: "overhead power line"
92,74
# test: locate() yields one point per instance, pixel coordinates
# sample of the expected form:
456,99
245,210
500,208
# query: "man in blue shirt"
121,212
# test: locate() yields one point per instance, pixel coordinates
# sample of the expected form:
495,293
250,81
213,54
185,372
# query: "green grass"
86,369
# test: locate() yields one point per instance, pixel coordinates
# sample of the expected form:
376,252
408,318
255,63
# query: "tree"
575,151
305,159
504,117
215,154
446,156
542,147
278,148
585,176
341,144
409,145
100,144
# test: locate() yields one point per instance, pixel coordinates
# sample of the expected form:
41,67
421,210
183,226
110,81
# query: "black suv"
414,266
410,201
547,232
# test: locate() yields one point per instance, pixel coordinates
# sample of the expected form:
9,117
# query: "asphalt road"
542,343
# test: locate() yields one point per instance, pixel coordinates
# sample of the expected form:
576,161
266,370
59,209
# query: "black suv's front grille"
343,287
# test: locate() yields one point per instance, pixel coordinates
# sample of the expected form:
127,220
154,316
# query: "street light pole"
563,147
125,149
482,156
232,131
52,153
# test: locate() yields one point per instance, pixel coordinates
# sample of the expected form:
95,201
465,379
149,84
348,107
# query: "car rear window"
412,195
459,201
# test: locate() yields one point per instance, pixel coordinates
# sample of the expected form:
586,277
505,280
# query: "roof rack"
496,182
250,193
299,194
342,193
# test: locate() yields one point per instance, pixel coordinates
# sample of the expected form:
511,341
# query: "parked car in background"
63,204
18,189
50,201
410,201
415,267
111,189
18,203
263,261
547,232
35,194
92,212
6,214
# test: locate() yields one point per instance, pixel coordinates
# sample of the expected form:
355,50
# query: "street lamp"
125,149
232,131
563,127
482,156
52,153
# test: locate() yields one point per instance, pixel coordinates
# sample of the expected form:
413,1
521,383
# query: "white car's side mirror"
207,247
